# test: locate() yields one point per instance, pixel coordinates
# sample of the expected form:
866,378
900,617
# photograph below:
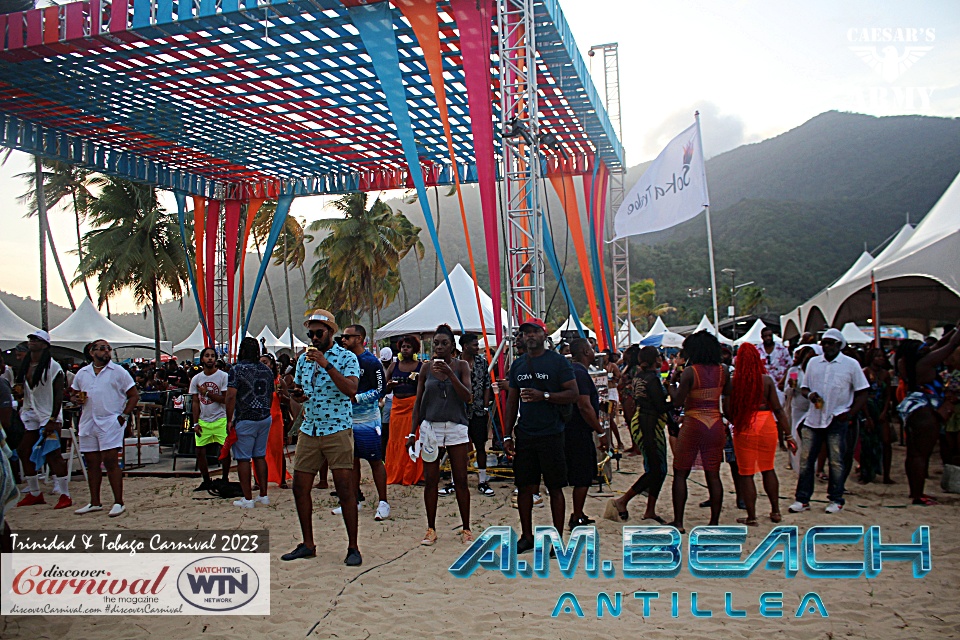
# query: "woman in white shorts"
443,392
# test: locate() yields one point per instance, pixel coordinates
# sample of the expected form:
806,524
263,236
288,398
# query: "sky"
753,68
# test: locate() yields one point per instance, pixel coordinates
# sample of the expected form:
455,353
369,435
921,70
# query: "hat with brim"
533,322
323,316
40,334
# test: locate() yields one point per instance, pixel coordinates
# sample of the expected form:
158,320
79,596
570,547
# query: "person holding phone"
443,392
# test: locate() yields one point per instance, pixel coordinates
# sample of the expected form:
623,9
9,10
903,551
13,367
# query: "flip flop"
657,519
776,517
611,512
926,501
748,521
677,527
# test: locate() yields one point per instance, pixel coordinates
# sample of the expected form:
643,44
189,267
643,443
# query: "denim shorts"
251,439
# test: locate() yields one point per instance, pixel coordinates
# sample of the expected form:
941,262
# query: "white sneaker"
116,510
798,507
383,511
262,499
537,500
87,509
243,503
339,510
834,507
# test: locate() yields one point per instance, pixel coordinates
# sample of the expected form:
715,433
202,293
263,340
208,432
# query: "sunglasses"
351,335
315,334
103,347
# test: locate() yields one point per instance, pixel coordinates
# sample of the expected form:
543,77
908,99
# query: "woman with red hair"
757,416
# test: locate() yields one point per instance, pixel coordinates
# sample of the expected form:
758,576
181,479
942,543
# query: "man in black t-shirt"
578,437
540,383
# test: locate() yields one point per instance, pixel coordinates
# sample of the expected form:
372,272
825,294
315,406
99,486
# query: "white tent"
193,342
628,335
917,275
284,340
437,309
86,324
570,325
657,328
706,325
853,335
753,335
270,341
13,329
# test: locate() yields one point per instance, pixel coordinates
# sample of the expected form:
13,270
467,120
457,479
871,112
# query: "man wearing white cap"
43,385
328,376
837,390
108,395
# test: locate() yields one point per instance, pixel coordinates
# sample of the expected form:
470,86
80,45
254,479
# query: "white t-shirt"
106,396
210,411
40,398
835,381
8,375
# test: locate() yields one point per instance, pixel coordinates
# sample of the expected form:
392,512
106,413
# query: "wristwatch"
546,395
328,367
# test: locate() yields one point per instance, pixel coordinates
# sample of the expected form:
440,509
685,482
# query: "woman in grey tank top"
443,392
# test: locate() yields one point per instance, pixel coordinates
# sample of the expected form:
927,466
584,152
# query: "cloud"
720,132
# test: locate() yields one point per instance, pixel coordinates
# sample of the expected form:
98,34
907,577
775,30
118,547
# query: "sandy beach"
404,590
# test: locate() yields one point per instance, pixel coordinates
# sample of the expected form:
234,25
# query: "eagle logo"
888,62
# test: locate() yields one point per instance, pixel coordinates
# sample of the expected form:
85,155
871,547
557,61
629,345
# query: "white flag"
671,190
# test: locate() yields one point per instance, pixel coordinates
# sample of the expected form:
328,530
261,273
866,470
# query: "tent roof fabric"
86,324
628,335
571,325
853,335
706,325
271,341
284,340
437,309
918,276
193,342
13,329
657,328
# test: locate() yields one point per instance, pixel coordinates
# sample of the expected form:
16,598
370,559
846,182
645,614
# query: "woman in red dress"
276,461
757,419
702,435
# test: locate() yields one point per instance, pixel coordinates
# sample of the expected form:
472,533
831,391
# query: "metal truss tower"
521,162
619,249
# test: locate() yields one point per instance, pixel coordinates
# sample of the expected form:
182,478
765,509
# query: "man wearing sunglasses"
327,378
108,395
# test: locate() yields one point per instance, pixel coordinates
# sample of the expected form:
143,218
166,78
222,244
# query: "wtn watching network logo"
891,52
218,583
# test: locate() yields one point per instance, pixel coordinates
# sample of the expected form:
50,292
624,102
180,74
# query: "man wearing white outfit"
108,396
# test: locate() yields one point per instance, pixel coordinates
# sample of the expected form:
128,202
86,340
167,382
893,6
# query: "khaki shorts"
336,449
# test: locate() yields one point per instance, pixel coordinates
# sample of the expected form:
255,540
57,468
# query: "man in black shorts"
541,383
578,436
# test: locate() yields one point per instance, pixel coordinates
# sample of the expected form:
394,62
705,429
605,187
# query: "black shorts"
540,457
477,429
581,456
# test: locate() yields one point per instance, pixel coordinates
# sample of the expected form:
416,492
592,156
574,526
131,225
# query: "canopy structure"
86,324
667,339
917,277
853,335
706,325
437,309
571,325
270,341
628,335
284,340
657,328
13,329
753,335
193,342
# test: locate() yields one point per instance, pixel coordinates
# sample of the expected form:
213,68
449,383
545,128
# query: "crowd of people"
828,405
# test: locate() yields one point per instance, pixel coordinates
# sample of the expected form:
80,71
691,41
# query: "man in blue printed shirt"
327,378
366,418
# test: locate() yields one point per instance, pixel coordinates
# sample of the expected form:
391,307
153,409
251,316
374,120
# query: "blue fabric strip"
279,218
181,197
551,252
375,24
595,260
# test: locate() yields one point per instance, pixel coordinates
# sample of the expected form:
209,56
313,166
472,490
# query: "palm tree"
59,181
135,245
644,304
358,261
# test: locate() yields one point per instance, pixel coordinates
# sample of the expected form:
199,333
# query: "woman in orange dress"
402,381
276,461
702,435
757,419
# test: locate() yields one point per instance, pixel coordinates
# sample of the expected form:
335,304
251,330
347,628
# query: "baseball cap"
40,334
321,315
386,354
537,322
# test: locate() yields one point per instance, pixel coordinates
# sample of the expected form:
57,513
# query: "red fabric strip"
210,250
231,229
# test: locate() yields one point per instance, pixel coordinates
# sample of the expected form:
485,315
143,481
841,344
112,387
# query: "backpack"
225,489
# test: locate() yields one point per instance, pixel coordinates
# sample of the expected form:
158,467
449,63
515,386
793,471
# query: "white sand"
404,590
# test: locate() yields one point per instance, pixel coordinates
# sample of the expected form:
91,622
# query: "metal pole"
42,215
713,268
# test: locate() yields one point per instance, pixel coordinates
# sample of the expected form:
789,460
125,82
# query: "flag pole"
706,206
875,310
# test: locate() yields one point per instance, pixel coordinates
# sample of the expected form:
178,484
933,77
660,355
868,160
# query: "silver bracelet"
507,438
